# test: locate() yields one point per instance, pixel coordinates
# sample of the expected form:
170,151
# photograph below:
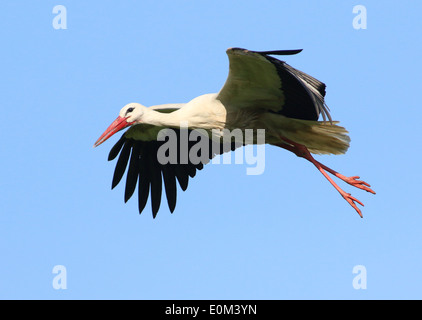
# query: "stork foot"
358,183
351,200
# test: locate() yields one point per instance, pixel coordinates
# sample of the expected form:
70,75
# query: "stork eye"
129,110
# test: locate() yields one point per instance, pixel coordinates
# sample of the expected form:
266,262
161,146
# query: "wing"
257,80
167,108
146,170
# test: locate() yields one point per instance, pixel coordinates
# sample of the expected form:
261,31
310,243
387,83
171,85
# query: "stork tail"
320,137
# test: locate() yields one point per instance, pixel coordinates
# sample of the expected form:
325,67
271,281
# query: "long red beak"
117,125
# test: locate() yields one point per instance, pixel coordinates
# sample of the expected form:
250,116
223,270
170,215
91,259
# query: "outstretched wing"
257,80
146,170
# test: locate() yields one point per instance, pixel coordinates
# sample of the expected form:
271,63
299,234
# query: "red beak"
117,125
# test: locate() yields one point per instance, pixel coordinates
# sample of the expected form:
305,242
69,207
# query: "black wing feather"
182,176
133,172
156,181
169,178
300,90
281,52
116,148
121,163
146,171
144,180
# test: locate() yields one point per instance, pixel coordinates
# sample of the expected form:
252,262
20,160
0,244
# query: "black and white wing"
257,80
138,150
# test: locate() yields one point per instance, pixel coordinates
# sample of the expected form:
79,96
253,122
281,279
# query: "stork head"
129,115
132,112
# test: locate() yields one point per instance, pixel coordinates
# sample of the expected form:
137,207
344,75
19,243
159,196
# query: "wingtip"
268,52
282,52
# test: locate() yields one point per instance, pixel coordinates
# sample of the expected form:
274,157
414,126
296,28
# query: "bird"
262,94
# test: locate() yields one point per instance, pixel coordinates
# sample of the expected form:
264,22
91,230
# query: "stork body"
261,92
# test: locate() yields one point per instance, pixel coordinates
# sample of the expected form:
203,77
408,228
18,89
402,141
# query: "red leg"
302,151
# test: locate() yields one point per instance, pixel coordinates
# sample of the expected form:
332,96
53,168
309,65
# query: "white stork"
261,92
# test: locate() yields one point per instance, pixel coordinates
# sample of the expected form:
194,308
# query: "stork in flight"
261,92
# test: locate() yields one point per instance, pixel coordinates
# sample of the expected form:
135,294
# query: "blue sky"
285,234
